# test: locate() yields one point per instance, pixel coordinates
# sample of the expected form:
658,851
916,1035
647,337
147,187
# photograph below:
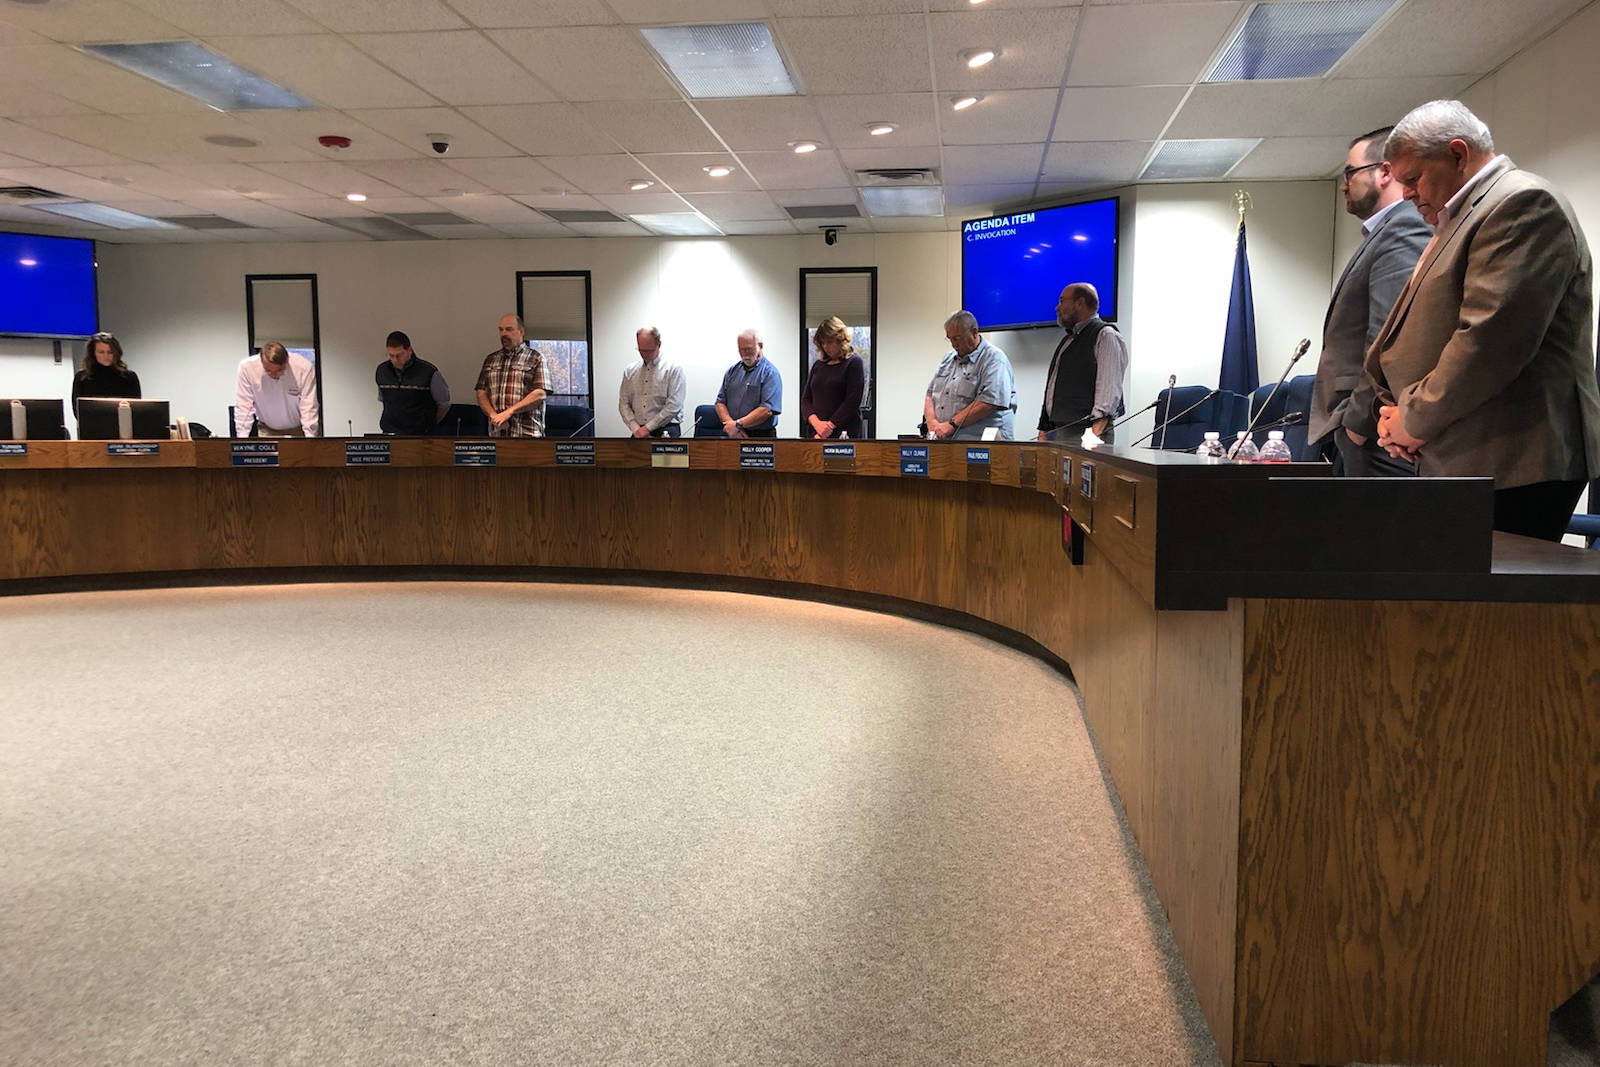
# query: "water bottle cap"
1274,435
1241,435
1213,435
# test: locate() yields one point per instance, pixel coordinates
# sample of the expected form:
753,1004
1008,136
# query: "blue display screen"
47,286
1013,267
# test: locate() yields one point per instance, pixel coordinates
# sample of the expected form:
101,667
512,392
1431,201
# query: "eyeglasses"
1351,172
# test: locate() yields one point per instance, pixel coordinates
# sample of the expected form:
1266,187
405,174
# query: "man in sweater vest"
412,391
1084,388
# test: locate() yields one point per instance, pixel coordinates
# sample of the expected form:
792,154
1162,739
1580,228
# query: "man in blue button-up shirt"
752,392
973,389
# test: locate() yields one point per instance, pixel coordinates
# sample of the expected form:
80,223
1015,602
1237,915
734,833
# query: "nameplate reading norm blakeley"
666,454
839,459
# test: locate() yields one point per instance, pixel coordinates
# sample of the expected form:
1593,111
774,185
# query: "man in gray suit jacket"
1342,419
1485,366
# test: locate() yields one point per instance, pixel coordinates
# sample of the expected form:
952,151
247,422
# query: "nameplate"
839,459
13,448
133,448
1028,472
757,457
977,464
1086,481
574,453
366,453
914,460
1066,471
254,453
669,455
476,453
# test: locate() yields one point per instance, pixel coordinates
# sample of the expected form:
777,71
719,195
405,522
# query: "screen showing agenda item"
47,286
1013,267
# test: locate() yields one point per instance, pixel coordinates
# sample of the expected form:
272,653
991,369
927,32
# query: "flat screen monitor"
1013,267
32,420
100,419
47,286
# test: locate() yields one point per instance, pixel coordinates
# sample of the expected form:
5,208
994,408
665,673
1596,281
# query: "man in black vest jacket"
1084,389
412,391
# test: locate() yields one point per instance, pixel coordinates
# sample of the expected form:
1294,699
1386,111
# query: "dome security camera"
440,143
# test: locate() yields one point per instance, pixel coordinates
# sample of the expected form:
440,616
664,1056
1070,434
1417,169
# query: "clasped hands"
1392,435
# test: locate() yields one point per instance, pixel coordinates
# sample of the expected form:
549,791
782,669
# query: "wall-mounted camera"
830,234
440,143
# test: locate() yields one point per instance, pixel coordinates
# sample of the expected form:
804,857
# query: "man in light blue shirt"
752,392
973,389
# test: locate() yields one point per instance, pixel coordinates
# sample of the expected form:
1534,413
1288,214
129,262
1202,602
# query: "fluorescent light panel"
1298,39
101,215
1197,160
722,60
678,224
888,201
193,70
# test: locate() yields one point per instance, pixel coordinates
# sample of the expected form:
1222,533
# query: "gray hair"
1428,129
650,332
752,333
964,319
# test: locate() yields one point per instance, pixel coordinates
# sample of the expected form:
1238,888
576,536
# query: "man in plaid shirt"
511,385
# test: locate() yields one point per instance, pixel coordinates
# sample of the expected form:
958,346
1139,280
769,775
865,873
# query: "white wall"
179,310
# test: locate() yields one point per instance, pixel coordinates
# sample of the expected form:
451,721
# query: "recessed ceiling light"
355,198
975,3
188,68
640,185
228,140
802,147
979,57
878,129
925,201
961,103
718,171
678,224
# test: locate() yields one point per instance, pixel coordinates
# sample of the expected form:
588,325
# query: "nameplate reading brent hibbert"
839,459
476,453
914,461
757,457
133,448
13,448
254,453
574,453
977,464
666,454
366,453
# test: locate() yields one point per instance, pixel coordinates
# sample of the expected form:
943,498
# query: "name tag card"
366,453
574,453
133,448
757,457
977,464
1066,471
1086,481
1028,472
839,459
914,461
669,455
254,453
13,448
475,453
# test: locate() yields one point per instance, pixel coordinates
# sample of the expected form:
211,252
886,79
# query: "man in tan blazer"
1485,366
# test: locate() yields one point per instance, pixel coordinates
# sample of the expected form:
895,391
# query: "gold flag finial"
1241,200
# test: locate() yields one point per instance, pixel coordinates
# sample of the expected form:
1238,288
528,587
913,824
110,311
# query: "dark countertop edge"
1210,591
849,598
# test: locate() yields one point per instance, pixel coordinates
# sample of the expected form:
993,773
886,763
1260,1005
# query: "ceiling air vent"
583,216
207,222
824,211
30,192
897,176
428,218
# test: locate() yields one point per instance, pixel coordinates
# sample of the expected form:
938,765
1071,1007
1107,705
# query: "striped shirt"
507,377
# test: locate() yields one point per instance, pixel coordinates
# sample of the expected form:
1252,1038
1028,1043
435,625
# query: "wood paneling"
1419,848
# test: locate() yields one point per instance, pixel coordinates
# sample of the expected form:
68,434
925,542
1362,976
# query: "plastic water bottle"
1211,447
1275,451
1244,450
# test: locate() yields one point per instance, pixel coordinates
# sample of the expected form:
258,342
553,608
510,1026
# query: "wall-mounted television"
47,286
1013,267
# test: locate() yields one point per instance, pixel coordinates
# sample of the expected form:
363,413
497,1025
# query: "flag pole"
1241,200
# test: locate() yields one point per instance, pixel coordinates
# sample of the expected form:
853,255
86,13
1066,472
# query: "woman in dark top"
104,373
830,403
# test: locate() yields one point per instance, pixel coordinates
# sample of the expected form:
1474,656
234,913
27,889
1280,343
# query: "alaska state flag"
1239,373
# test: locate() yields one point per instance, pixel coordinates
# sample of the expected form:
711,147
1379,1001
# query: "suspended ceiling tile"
212,18
324,68
542,129
651,125
768,122
1019,117
1119,114
495,13
1033,45
845,119
685,172
589,62
847,55
516,175
461,67
1079,162
1175,41
413,126
353,16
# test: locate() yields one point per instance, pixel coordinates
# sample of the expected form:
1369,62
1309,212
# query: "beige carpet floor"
502,824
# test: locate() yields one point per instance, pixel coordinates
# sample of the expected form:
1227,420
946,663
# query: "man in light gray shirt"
651,400
1084,387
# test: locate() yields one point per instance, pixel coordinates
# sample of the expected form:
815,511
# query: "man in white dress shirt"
277,391
651,398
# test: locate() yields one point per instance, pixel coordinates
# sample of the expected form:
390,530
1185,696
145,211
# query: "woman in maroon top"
830,403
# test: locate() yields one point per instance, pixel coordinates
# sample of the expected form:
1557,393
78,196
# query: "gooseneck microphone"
1179,415
1141,411
1299,350
1172,383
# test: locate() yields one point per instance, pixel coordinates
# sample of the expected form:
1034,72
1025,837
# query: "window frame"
806,356
588,313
